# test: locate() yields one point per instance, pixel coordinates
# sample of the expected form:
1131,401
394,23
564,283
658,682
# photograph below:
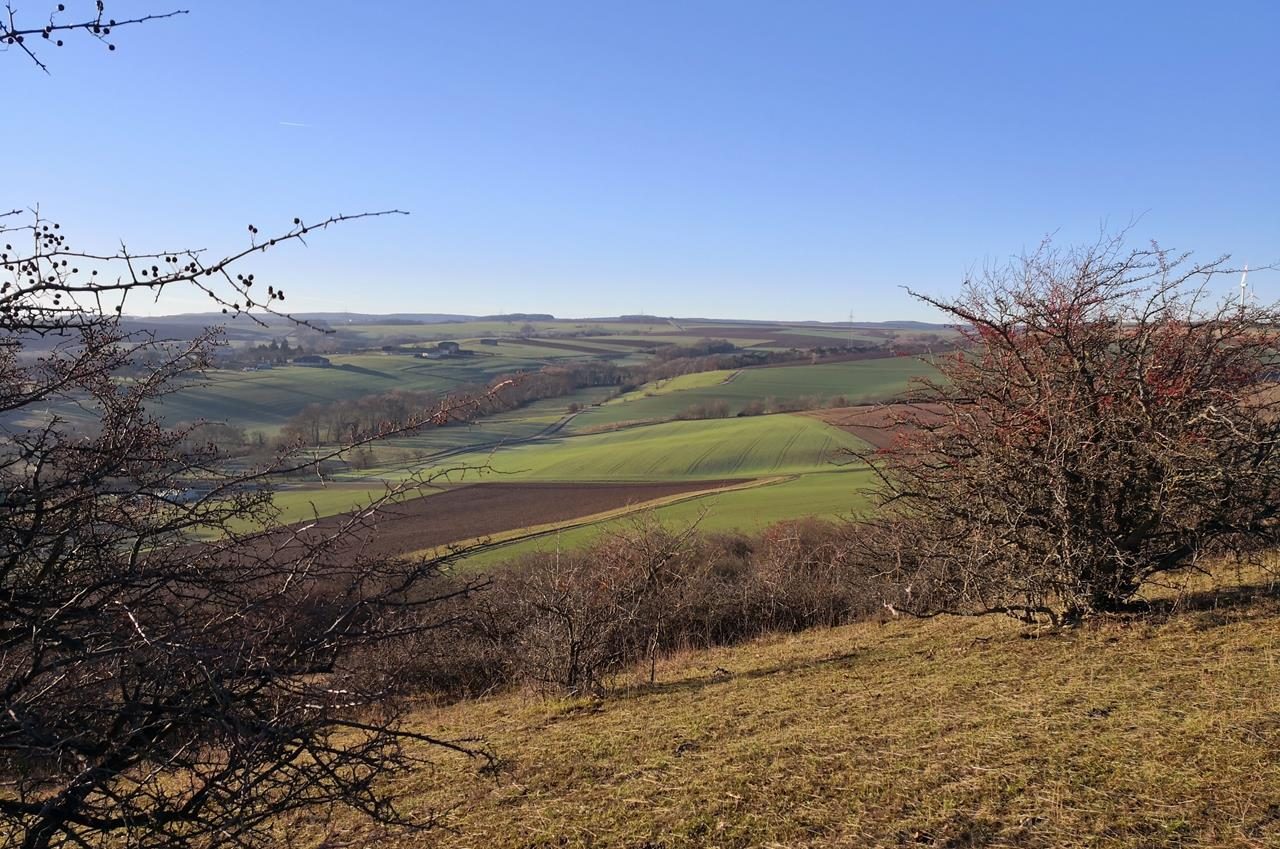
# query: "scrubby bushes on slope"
567,620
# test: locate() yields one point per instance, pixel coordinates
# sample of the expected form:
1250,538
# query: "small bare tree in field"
1106,424
176,664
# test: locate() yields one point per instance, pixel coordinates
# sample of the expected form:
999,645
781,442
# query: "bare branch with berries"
14,32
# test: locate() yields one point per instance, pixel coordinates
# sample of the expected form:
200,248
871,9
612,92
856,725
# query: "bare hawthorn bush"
1107,424
584,615
174,661
803,577
568,637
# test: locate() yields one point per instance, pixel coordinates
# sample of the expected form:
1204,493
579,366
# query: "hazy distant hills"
206,319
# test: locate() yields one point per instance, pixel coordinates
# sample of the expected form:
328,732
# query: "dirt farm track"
480,510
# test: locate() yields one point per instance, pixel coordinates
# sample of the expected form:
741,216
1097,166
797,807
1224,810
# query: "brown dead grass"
1162,730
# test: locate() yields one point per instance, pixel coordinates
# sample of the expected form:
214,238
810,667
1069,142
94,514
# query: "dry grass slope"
1134,733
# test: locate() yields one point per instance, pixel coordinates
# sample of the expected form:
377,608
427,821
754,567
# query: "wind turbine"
1244,283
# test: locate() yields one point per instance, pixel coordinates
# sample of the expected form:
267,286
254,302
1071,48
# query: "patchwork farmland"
663,448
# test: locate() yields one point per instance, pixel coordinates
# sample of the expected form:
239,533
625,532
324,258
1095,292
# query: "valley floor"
1140,732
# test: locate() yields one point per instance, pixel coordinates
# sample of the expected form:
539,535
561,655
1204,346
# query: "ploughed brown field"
558,345
479,510
871,423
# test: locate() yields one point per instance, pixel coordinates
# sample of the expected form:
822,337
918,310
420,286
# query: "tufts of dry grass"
1139,732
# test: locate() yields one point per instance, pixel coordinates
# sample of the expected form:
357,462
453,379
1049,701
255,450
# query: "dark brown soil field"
480,510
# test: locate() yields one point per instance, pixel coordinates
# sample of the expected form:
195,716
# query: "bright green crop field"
757,446
859,381
682,383
395,456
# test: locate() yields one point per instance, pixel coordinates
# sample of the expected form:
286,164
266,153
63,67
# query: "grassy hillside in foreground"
958,733
716,448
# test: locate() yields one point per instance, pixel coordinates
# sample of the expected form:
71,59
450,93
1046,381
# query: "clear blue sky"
789,160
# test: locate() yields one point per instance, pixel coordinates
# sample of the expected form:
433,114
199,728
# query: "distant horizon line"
460,318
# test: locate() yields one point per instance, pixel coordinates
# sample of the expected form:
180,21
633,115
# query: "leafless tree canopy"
172,659
1107,424
175,664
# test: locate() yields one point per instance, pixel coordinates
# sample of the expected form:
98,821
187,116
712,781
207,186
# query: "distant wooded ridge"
456,318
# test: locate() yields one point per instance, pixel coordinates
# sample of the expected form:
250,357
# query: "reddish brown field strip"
871,423
561,346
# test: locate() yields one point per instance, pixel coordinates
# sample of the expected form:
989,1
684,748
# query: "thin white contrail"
293,124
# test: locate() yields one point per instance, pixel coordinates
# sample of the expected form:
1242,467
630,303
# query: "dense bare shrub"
155,692
566,621
461,650
803,576
1108,424
158,692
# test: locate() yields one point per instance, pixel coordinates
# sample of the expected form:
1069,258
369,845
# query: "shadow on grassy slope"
368,372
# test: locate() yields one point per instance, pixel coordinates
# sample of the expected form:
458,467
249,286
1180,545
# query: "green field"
758,446
682,383
265,400
859,381
797,459
394,456
825,495
298,504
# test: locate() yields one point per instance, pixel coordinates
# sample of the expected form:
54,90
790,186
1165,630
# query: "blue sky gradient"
728,159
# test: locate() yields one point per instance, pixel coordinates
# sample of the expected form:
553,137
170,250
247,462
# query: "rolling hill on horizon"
217,318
